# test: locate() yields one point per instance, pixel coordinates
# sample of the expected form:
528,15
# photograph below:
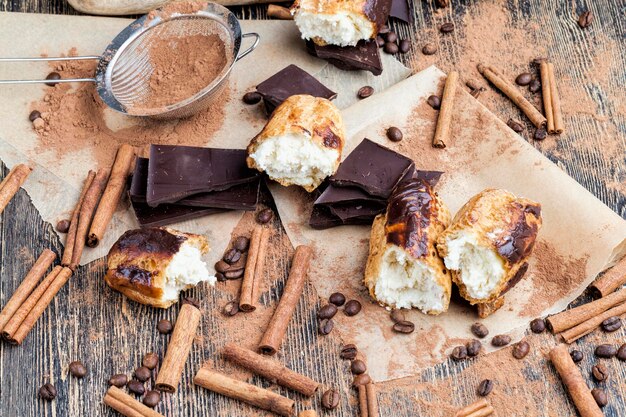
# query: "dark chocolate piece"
400,10
373,168
322,218
377,11
349,212
176,172
290,81
364,56
334,194
169,213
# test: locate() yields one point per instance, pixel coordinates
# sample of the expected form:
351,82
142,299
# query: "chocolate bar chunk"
372,168
290,81
400,10
364,56
176,172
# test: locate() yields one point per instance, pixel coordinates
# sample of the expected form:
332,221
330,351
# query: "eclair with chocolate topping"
403,269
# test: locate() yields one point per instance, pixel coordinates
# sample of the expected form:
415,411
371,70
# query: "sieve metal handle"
257,38
48,59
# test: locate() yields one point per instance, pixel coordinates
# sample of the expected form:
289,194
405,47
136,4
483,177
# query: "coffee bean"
380,41
442,3
621,352
241,243
605,351
34,115
391,48
252,97
501,340
476,93
434,102
429,49
221,266
600,372
337,299
576,355
446,27
365,91
135,387
265,216
152,398
524,78
118,380
78,369
534,86
234,274
327,312
53,76
516,126
165,326
540,134
600,396
459,353
479,330
63,226
150,360
231,256
585,19
326,326
473,347
384,29
485,387
192,301
142,374
394,134
611,324
391,37
362,379
330,399
231,308
398,315
358,367
348,352
352,308
521,349
538,326
404,326
47,392
404,46
220,277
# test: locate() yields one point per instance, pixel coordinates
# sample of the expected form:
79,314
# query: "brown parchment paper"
580,235
55,183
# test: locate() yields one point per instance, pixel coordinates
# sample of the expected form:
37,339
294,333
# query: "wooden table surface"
89,322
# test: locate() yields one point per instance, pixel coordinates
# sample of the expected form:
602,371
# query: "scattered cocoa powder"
176,7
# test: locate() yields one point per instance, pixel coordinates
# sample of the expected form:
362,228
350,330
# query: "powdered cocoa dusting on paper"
74,118
176,7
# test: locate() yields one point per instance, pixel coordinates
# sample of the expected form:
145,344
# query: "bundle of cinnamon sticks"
368,403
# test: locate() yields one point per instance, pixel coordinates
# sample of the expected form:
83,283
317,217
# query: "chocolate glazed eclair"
403,269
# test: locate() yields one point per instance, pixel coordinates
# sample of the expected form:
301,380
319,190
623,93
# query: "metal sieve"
124,69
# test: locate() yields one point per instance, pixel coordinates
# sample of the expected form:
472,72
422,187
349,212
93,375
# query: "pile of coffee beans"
233,263
400,323
326,313
358,367
391,44
142,375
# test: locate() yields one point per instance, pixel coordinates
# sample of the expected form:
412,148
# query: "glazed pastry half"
153,265
301,144
340,22
403,269
488,244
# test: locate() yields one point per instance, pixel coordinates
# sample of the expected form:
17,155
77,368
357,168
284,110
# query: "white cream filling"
340,28
185,270
407,283
296,159
480,268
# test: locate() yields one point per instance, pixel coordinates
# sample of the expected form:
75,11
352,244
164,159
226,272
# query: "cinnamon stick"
278,12
255,265
127,405
571,318
275,332
307,413
85,215
270,369
112,194
70,240
44,301
590,325
442,131
546,93
27,286
514,94
372,401
242,391
178,348
12,183
363,406
556,102
574,382
611,280
480,408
